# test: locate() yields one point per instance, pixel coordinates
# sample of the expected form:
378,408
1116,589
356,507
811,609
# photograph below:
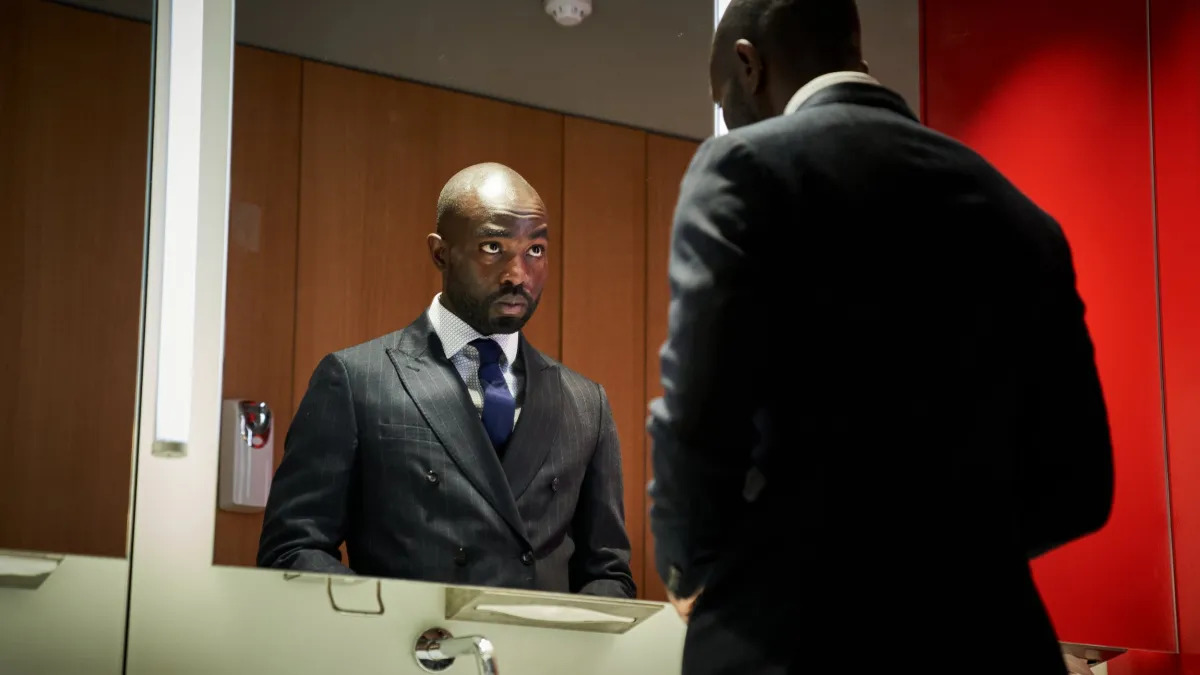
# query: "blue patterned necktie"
499,406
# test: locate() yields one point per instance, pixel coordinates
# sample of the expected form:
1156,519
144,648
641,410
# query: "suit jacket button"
554,484
527,557
460,557
432,477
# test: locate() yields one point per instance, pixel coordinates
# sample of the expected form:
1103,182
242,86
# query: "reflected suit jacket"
388,454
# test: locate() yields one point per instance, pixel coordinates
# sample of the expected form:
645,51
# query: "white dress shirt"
456,337
823,81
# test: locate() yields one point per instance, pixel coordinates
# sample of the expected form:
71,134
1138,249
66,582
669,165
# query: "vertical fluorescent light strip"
176,341
718,120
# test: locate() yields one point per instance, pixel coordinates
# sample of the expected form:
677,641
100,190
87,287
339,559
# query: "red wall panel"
1175,41
1056,94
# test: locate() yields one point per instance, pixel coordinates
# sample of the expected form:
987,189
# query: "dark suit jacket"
873,323
388,454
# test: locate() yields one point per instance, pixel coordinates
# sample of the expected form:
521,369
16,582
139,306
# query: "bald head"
476,191
765,50
490,245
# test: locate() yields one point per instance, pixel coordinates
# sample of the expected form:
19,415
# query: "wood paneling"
12,224
73,128
604,287
376,154
260,306
1032,85
666,161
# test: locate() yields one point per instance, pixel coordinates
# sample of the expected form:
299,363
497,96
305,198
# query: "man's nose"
514,271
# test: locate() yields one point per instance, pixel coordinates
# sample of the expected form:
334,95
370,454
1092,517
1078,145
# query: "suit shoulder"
574,379
364,355
736,158
738,145
370,348
575,385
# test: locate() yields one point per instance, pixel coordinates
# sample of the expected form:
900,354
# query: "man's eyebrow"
492,230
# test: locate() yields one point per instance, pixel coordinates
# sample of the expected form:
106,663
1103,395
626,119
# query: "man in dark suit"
881,398
452,450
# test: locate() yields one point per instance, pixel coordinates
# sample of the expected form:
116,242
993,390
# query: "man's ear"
438,250
750,66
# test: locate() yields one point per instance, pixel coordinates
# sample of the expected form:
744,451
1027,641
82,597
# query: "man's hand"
684,606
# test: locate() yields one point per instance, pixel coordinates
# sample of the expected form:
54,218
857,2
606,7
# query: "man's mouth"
512,305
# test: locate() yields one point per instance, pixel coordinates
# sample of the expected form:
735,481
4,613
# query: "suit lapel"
439,393
537,428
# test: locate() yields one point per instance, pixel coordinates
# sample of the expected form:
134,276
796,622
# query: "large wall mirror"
350,120
75,101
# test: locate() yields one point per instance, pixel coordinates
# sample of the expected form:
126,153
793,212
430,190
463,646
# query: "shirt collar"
455,334
827,80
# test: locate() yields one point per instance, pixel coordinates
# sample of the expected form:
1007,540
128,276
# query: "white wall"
638,62
642,63
892,45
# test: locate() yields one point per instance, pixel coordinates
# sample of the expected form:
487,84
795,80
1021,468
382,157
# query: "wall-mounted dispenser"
247,455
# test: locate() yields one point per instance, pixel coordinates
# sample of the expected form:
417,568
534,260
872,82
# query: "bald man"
452,450
868,484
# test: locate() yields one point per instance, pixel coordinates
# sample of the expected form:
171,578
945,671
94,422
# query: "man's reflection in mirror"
453,450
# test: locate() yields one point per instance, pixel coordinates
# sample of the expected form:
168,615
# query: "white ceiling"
642,63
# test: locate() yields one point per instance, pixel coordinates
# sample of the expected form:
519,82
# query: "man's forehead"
523,219
506,219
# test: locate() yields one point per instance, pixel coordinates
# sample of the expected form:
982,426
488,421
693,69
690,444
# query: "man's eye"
490,247
537,250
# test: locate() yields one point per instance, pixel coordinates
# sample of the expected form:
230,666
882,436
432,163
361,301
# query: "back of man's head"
764,50
810,35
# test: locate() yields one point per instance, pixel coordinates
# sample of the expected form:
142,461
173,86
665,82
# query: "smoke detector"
569,12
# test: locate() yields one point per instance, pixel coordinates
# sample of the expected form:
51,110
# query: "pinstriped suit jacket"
388,454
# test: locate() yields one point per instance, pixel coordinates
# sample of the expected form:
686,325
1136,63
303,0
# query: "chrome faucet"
436,650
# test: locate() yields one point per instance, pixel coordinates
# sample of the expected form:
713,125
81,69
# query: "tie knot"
489,351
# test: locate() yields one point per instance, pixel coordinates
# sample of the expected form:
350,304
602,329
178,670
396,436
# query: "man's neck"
449,307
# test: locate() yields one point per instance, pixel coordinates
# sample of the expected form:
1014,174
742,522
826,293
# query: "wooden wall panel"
667,160
260,306
12,225
73,131
376,152
604,287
